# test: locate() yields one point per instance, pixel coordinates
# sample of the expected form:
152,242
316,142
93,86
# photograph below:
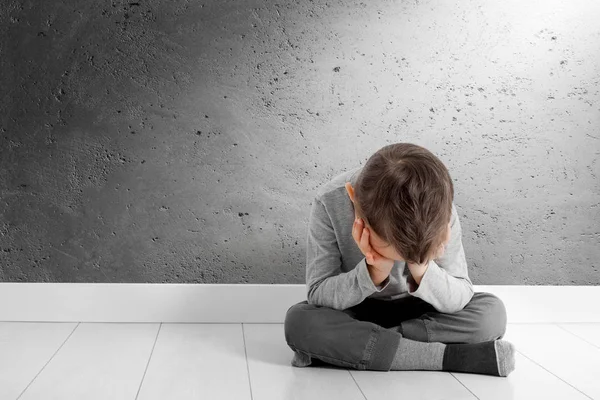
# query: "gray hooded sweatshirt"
336,270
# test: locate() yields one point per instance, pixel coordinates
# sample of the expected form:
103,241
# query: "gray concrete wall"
182,141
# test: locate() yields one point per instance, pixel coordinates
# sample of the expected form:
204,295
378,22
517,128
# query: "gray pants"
366,336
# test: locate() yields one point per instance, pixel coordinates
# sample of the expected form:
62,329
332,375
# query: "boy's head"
404,195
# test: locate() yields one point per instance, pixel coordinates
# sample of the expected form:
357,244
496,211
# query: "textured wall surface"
180,141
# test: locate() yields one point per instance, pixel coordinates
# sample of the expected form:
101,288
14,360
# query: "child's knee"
297,321
493,319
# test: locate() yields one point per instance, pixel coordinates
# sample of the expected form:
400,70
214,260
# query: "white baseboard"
246,303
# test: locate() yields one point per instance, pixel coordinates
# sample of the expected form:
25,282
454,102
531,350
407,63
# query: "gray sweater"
336,270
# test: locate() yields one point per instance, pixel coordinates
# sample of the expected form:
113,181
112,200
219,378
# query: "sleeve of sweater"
326,284
446,284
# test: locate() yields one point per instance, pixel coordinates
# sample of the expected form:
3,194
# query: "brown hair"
405,193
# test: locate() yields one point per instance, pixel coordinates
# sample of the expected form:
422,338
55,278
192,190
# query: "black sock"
478,358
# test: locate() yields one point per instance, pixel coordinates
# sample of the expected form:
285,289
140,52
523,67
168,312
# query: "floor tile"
411,385
589,332
197,361
561,353
25,347
99,361
528,381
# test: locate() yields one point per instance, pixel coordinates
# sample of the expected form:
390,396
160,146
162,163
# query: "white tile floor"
252,361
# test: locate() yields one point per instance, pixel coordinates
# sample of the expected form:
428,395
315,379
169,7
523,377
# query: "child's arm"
445,282
326,284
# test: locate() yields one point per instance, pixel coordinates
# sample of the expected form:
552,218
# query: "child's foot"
496,357
301,360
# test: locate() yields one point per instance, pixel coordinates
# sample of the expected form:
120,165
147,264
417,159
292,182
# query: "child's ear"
350,191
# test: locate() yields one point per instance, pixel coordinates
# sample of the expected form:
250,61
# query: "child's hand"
440,252
442,249
378,265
